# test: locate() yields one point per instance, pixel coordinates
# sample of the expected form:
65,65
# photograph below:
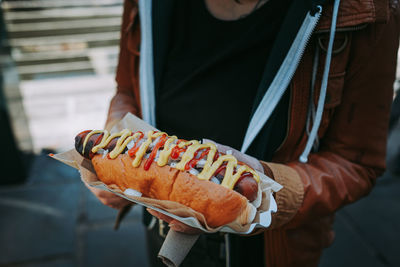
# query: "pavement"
368,231
53,220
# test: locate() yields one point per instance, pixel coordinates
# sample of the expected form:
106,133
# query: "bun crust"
218,204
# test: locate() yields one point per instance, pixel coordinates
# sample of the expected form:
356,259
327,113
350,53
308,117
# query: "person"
303,86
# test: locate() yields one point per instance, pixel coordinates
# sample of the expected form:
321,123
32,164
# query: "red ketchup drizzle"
135,148
84,132
96,142
176,151
98,139
220,169
193,162
153,153
223,167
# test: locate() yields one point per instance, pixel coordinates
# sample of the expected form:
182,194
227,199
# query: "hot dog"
167,168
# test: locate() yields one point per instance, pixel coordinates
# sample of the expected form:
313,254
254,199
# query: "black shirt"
207,89
212,72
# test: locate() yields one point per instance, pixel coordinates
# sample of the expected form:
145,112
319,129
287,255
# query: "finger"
175,224
103,194
111,200
108,198
160,215
109,195
99,192
115,203
183,228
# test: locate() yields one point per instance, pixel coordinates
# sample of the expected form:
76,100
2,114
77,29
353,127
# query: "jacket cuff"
290,198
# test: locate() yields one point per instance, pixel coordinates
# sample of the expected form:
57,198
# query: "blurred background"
57,61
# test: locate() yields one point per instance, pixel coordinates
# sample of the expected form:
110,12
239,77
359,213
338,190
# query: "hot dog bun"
218,204
165,168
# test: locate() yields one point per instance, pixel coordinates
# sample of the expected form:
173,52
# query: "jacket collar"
354,13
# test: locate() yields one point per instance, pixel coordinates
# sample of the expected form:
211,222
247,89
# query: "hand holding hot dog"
175,225
109,199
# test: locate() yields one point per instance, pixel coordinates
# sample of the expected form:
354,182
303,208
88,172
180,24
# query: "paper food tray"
175,210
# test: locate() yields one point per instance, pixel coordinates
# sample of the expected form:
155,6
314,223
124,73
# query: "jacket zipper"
282,79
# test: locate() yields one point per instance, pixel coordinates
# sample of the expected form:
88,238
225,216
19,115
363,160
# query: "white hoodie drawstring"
146,68
321,100
311,106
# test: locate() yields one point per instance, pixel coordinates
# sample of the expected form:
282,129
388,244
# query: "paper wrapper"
173,209
175,248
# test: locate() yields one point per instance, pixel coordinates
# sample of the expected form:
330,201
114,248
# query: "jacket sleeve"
125,100
352,151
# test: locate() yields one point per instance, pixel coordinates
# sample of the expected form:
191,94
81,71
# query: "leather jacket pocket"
334,91
332,100
336,79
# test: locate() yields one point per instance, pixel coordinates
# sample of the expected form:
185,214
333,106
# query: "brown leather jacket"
352,132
